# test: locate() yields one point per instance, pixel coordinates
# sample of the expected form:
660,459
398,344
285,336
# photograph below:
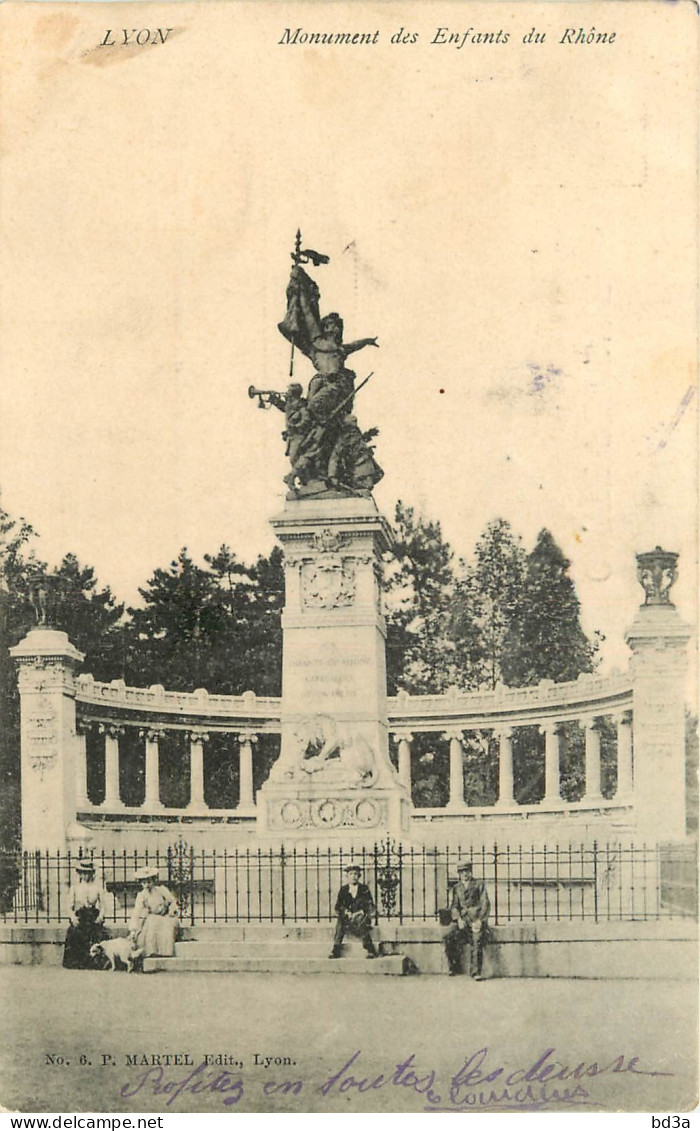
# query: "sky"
515,224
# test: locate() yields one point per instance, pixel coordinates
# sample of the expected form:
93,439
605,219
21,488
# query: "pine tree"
418,587
488,597
545,639
216,626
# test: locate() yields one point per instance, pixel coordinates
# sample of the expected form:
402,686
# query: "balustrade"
502,732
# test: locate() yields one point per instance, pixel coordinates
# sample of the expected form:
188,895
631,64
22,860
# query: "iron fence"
595,882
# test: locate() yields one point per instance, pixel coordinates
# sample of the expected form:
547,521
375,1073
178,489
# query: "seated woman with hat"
87,903
154,921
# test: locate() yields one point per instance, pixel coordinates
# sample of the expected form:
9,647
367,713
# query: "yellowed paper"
507,192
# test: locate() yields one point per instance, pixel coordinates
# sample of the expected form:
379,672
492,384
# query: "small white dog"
119,952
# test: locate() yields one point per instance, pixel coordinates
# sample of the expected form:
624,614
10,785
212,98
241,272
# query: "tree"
419,585
488,598
216,626
545,639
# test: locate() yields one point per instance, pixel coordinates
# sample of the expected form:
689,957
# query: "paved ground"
319,1022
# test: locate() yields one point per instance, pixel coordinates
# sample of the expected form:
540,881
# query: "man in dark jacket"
355,910
469,910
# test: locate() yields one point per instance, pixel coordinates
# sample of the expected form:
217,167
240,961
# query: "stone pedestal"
334,775
658,639
49,744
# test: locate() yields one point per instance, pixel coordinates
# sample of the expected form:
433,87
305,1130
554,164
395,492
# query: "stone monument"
334,772
658,639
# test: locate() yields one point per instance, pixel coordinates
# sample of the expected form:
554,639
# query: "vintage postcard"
349,558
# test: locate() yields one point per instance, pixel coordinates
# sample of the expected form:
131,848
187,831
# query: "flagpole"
296,256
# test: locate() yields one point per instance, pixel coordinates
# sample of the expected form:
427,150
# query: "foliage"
215,626
544,639
488,598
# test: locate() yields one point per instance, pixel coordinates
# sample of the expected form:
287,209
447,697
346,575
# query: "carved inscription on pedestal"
41,735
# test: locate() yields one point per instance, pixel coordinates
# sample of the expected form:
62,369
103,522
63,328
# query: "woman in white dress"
154,920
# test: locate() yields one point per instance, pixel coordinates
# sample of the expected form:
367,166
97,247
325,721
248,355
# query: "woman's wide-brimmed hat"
84,866
146,873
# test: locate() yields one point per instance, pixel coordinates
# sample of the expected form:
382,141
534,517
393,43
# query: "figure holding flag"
329,450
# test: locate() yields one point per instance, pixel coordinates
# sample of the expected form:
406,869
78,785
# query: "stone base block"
316,812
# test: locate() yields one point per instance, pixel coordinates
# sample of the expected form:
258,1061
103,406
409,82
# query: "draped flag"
302,318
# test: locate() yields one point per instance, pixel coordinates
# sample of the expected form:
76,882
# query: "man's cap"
465,866
353,868
85,866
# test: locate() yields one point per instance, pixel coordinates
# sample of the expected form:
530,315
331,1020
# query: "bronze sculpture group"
325,446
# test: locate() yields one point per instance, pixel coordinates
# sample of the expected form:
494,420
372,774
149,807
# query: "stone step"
258,931
393,964
258,948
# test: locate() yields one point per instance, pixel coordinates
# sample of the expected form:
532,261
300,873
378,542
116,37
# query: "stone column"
405,741
47,661
625,784
592,791
552,747
246,798
152,800
82,800
333,677
197,739
456,769
505,767
658,639
111,732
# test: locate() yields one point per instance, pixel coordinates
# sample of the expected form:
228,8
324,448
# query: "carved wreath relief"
329,584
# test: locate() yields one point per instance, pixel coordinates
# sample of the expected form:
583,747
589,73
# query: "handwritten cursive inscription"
480,1084
201,1079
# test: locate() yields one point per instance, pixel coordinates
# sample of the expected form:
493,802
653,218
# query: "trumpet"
260,394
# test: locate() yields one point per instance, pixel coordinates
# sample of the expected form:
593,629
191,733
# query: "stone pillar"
197,738
47,661
111,732
505,767
552,747
246,797
625,786
592,790
658,639
152,799
82,800
334,701
405,741
456,769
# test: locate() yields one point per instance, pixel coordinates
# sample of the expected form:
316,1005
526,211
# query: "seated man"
355,910
469,910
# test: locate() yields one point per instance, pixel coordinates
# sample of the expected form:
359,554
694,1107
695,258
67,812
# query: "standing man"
355,910
469,909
